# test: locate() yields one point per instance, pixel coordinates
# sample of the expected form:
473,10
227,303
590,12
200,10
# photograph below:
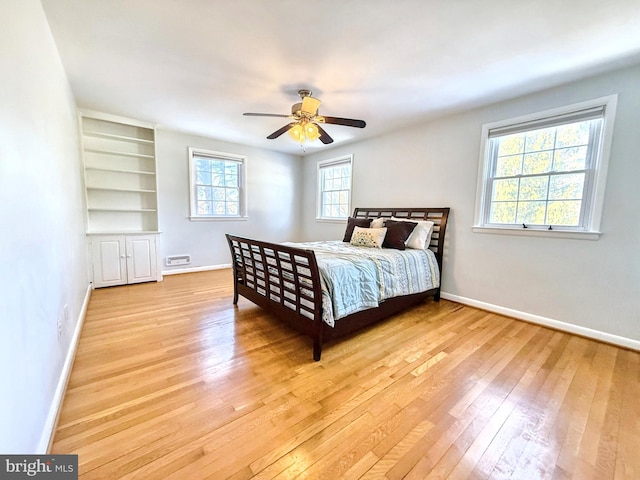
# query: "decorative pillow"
355,222
420,238
397,234
378,223
368,237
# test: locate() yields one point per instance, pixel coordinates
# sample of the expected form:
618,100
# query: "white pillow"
377,222
368,237
420,238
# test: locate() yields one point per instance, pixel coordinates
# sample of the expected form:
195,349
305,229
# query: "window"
217,184
547,172
334,188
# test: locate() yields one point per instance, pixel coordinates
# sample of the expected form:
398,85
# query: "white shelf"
122,209
121,154
110,189
121,232
120,170
118,137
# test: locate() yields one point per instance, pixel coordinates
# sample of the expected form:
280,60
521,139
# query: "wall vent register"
177,260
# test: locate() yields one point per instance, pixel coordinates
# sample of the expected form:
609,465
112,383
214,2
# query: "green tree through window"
217,184
539,175
334,188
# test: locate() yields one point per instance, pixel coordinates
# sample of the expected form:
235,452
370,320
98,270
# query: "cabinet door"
141,258
109,261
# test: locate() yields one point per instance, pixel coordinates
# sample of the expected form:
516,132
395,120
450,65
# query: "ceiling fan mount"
306,120
296,108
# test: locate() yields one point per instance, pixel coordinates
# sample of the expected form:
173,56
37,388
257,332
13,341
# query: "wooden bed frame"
285,280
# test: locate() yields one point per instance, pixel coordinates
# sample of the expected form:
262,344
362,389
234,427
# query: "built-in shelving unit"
120,175
122,201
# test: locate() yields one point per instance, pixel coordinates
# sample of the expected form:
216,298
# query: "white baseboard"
547,322
46,439
196,269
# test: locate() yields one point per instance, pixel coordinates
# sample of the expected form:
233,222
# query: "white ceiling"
197,65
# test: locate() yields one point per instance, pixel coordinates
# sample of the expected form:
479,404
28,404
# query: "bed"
291,280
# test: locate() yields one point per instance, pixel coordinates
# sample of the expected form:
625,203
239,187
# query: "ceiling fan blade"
324,136
349,122
265,115
310,105
280,131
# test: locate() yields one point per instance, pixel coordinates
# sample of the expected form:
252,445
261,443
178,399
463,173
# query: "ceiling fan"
306,120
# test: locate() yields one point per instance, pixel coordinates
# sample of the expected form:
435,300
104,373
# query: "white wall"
44,262
587,284
273,190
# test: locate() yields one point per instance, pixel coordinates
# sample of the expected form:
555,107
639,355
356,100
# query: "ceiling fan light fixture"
297,133
303,131
311,131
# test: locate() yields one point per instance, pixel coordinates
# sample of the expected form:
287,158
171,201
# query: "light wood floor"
171,381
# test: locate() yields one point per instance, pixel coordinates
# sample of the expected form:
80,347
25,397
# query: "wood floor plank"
496,384
627,458
539,454
172,381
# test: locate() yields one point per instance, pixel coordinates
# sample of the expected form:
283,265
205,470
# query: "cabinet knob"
122,256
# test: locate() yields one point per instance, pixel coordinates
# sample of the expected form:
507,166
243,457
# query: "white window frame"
242,181
595,179
339,161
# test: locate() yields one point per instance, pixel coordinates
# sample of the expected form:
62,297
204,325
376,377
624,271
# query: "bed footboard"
284,280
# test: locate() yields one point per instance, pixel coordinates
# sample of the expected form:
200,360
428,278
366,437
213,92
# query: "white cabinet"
122,259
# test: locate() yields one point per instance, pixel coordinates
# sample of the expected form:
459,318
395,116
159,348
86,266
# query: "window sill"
218,219
331,220
533,232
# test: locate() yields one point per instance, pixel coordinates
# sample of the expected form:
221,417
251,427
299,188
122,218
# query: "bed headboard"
438,216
